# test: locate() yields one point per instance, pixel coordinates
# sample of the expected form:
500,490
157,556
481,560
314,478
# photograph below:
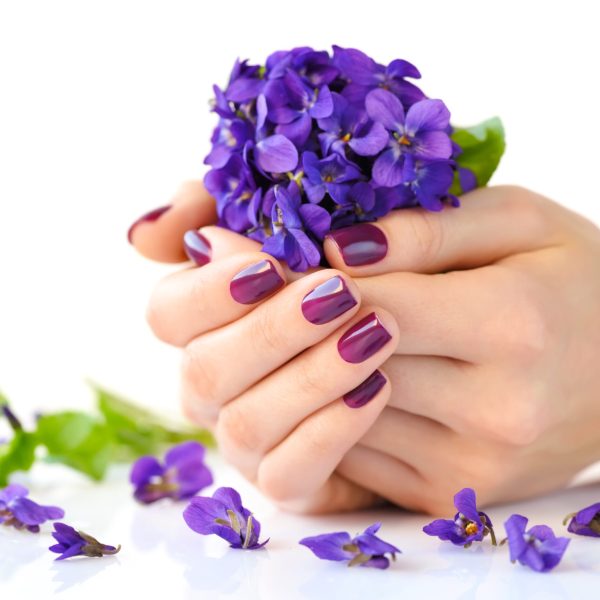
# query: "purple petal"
244,89
316,219
274,245
144,469
314,192
65,534
308,248
323,107
382,106
387,170
552,551
30,513
297,131
364,195
433,145
328,546
184,452
467,179
402,68
192,477
201,514
218,156
515,529
12,491
372,142
276,154
371,544
427,115
466,504
288,204
74,550
377,562
356,65
532,558
445,529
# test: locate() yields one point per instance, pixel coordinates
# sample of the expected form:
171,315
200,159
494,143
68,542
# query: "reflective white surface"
162,558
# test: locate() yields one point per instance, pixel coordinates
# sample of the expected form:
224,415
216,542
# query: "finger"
190,302
298,317
409,437
386,476
491,223
337,495
262,417
158,235
315,448
462,315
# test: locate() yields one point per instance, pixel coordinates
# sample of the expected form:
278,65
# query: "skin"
491,372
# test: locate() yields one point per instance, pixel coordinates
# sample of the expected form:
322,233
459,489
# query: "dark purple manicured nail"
327,301
255,282
153,215
363,339
362,244
197,247
366,391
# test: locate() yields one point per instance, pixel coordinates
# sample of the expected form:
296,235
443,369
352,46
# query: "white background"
103,111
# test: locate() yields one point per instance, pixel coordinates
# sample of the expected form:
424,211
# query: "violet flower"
421,132
469,524
364,550
327,176
296,229
182,475
22,512
364,75
350,127
224,515
77,543
586,521
538,548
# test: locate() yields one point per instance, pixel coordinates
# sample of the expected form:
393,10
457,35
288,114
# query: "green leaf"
17,455
77,440
482,148
137,431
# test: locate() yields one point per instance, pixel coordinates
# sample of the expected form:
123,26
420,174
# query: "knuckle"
523,329
264,327
310,378
518,420
428,235
275,483
199,376
236,433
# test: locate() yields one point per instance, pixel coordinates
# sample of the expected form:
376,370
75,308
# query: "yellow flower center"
471,528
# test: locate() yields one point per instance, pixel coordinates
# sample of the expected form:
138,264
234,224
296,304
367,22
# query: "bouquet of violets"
312,142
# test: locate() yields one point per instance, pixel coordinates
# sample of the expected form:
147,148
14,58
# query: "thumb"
158,235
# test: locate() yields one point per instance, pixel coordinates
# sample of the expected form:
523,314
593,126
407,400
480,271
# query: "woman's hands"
495,330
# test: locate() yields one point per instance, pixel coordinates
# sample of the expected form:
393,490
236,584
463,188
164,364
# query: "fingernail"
363,339
197,247
255,282
327,301
362,244
153,215
366,391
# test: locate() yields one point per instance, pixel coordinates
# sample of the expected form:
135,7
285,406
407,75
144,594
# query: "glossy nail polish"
197,247
255,282
362,244
153,215
327,301
363,339
366,391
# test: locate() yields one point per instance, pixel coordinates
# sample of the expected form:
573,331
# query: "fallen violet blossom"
538,548
77,543
469,524
224,515
586,521
22,512
364,550
182,475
